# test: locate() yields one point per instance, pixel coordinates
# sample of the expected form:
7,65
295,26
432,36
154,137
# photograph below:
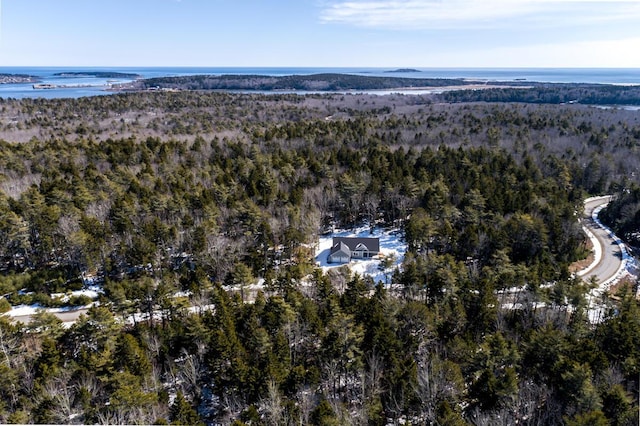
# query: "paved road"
66,317
611,259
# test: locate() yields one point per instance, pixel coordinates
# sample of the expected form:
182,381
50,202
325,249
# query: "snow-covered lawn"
91,292
25,310
391,242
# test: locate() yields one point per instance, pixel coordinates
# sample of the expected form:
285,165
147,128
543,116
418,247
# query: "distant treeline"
586,94
315,82
2,74
525,92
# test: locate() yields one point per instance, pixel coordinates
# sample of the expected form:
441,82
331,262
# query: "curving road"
608,264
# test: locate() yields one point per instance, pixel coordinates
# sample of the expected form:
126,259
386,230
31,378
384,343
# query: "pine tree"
182,413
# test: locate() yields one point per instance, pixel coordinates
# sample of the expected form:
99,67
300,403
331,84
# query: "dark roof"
372,244
339,246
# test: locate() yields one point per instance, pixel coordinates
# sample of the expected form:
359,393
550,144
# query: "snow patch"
24,310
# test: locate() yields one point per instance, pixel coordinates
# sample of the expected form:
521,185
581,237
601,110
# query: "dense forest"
623,215
586,94
177,203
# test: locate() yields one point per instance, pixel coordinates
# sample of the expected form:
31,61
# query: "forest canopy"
178,204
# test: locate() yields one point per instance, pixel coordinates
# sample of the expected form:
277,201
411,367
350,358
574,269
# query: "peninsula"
315,82
448,90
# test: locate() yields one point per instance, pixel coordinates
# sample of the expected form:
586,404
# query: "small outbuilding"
344,249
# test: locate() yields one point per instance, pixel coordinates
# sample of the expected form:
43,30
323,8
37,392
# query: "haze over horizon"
321,33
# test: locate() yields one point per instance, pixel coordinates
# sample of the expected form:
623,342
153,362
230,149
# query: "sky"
321,33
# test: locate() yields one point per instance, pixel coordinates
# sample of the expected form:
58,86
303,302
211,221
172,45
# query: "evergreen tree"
182,413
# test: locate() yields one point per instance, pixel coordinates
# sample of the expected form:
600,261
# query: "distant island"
97,74
17,78
403,70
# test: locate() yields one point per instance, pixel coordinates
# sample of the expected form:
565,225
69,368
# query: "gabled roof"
339,247
372,244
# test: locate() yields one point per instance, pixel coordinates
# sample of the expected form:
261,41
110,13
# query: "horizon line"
418,68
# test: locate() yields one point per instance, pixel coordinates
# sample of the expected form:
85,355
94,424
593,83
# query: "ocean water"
92,86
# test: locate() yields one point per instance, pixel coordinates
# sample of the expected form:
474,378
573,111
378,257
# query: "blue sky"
321,33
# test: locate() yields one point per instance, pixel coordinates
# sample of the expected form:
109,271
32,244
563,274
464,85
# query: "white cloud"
452,14
619,53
